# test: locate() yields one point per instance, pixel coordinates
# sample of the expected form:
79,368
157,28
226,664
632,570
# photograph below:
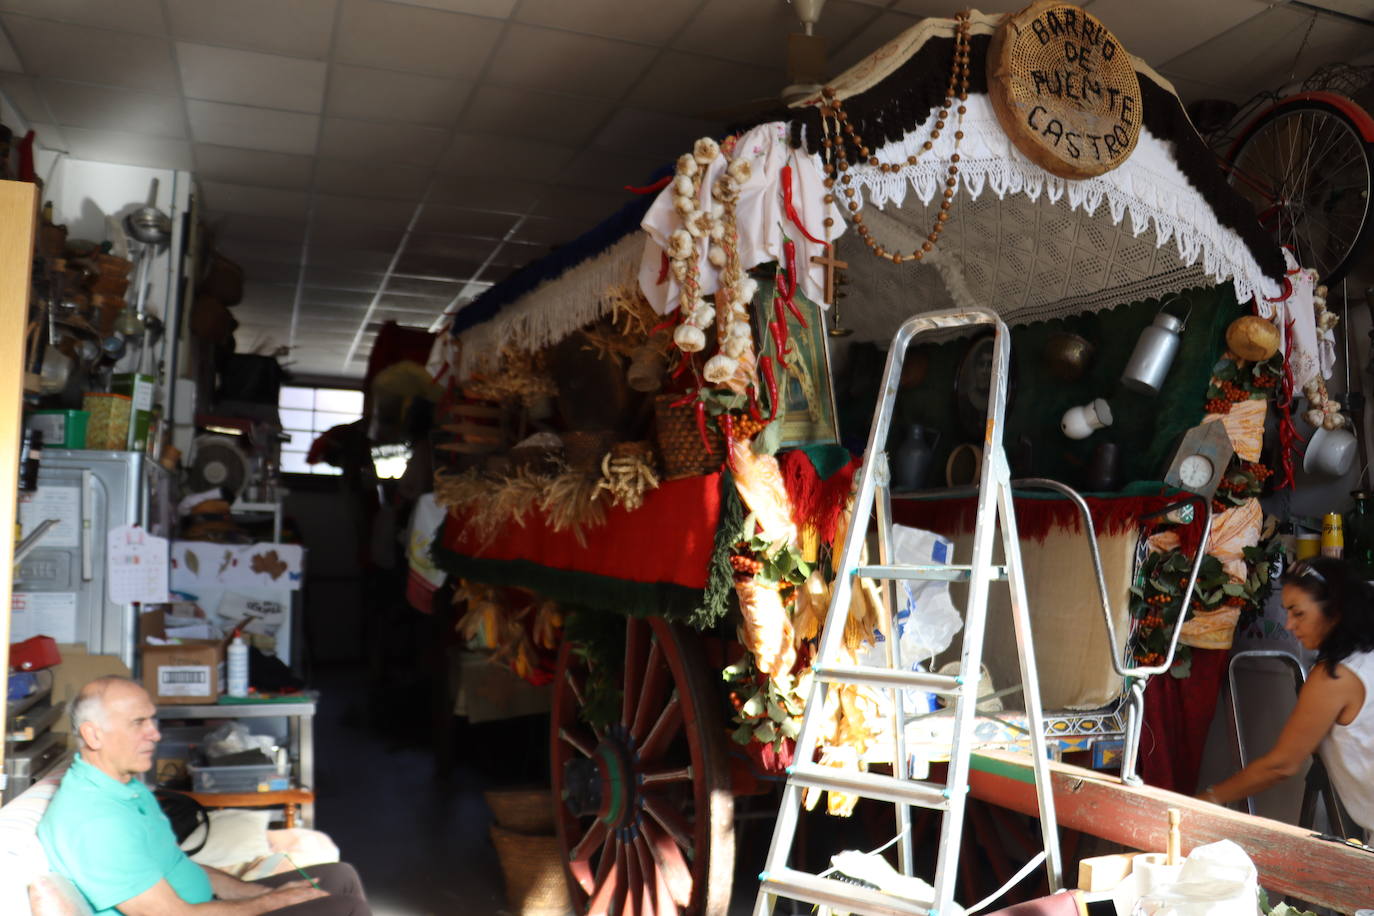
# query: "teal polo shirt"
113,842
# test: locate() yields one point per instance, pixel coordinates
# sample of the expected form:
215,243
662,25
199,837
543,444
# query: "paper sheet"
137,564
61,503
43,614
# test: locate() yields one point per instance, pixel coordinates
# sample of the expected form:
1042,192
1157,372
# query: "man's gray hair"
89,704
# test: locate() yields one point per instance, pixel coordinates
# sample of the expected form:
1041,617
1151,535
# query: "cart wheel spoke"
668,724
634,893
655,887
578,740
662,777
636,644
656,680
577,684
608,880
673,822
677,876
580,859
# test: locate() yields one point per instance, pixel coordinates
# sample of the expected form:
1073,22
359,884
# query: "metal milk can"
1154,354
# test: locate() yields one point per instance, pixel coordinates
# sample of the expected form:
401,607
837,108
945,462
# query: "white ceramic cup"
1330,452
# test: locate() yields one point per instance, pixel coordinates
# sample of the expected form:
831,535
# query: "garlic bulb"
719,368
700,224
739,329
705,150
740,170
735,347
1314,417
748,289
683,186
716,256
680,244
702,315
1333,421
726,189
679,268
685,206
689,339
687,165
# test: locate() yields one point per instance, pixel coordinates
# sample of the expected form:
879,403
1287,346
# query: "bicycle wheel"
1305,168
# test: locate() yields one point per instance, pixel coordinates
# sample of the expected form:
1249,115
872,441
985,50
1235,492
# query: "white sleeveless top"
1348,750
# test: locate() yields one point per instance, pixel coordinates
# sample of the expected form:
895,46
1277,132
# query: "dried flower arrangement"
521,376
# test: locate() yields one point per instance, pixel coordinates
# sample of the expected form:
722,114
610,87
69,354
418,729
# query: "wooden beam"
1290,860
18,218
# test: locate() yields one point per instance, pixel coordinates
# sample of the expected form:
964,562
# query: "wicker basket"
533,869
679,443
584,449
522,810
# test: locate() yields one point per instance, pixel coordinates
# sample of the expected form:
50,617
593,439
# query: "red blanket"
668,539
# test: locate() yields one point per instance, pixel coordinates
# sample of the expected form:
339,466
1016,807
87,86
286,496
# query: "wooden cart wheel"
644,808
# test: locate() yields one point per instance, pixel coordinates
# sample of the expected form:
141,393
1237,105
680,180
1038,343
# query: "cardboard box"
79,668
192,672
60,428
140,389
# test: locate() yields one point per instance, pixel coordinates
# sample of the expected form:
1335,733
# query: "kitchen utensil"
1104,470
1068,356
1330,452
1081,422
1154,353
911,463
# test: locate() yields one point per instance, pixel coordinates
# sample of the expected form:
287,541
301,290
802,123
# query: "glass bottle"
1359,534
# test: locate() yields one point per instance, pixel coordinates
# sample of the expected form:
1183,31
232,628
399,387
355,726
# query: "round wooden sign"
1064,89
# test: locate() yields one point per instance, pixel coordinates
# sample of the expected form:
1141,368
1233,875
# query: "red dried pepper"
684,400
663,268
684,360
789,254
754,405
701,427
791,210
727,426
766,370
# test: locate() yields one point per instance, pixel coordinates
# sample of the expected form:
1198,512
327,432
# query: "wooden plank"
18,219
1290,860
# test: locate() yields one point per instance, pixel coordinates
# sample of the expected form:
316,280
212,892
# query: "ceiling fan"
806,69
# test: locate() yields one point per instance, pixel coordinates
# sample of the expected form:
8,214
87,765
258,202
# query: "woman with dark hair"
1330,609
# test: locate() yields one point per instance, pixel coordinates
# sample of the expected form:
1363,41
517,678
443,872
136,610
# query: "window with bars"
306,413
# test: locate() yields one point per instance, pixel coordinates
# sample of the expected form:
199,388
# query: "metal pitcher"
911,463
1154,353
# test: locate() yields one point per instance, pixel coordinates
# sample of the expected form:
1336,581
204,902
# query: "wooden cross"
831,264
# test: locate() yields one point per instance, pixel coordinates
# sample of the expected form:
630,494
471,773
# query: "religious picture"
807,407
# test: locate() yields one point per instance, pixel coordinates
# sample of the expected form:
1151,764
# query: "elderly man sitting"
105,832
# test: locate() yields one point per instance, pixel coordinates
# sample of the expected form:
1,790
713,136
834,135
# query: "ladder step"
939,571
889,677
840,895
870,785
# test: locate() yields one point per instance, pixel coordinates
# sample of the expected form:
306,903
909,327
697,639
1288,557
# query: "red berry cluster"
745,565
1152,621
1151,658
1231,393
1236,601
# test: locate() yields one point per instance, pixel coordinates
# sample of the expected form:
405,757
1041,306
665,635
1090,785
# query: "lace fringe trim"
1148,188
554,309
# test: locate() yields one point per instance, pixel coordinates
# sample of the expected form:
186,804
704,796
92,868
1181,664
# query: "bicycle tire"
1327,222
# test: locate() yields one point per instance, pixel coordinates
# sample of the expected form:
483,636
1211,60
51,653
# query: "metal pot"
1068,356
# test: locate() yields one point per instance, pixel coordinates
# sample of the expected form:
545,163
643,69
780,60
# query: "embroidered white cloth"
1040,246
759,215
1313,352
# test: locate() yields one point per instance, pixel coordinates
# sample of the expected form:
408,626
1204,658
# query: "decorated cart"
651,436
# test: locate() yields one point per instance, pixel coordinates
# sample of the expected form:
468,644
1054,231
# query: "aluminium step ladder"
779,880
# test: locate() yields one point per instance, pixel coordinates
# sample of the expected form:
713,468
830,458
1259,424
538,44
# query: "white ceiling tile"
300,28
1269,40
250,166
497,9
359,259
508,196
251,78
458,221
419,286
378,34
23,95
127,149
9,58
610,18
557,61
339,176
317,278
406,144
384,214
943,10
86,55
48,136
537,115
125,15
222,197
552,231
878,33
1191,90
104,108
340,299
250,250
274,282
577,204
253,128
691,85
606,171
755,31
503,157
1155,38
258,228
641,131
385,95
471,249
355,235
